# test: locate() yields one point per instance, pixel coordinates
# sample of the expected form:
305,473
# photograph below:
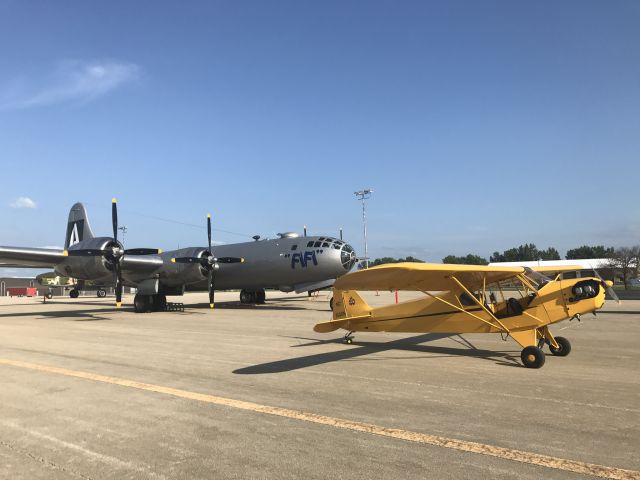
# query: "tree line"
624,261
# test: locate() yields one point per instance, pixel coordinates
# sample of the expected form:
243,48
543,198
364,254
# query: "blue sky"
480,125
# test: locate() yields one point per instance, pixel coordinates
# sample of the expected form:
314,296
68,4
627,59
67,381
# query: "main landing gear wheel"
74,293
247,297
101,293
331,304
142,303
565,347
532,357
260,297
348,338
159,303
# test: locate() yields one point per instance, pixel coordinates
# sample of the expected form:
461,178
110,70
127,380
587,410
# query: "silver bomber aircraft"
288,263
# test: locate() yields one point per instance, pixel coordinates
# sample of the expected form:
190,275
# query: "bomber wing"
424,276
22,257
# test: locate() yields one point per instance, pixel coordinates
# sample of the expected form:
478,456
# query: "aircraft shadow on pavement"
78,315
365,348
236,305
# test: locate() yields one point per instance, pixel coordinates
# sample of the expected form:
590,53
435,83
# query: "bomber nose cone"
347,257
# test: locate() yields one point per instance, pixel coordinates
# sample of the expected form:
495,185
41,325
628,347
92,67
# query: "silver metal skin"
287,263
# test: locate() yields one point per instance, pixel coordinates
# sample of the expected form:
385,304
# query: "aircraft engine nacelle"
183,273
88,268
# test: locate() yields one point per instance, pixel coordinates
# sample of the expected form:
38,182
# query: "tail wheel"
74,293
564,347
532,357
101,293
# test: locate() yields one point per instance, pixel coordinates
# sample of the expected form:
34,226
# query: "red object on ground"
22,291
396,296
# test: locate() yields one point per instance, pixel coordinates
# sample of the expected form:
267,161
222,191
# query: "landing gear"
348,338
331,304
74,293
101,293
142,303
532,357
252,297
159,303
564,347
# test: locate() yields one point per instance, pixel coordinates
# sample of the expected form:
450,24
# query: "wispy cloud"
69,81
23,202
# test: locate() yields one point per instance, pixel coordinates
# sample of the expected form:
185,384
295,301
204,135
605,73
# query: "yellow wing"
424,276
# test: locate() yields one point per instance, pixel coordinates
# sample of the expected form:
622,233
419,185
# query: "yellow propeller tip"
211,305
65,253
113,200
242,260
173,260
159,251
118,304
208,215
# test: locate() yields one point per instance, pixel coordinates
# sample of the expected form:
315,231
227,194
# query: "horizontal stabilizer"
330,326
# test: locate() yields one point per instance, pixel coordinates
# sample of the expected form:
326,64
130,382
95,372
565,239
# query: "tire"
331,304
101,293
74,293
261,297
565,347
532,357
49,296
142,303
159,303
247,297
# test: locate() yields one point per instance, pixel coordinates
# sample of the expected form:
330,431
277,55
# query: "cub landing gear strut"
533,357
348,338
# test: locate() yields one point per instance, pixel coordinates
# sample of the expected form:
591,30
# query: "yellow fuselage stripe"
461,445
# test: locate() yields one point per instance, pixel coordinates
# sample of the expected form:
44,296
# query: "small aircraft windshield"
537,279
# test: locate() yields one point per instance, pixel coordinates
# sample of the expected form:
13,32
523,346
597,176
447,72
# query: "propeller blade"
188,260
143,251
209,229
118,285
230,260
114,218
609,288
212,286
85,253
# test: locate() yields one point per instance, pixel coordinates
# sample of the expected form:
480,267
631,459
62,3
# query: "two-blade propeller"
608,286
209,262
114,252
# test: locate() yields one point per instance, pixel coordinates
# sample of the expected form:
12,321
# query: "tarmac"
92,392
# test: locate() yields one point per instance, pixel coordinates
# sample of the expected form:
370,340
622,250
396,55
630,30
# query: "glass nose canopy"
347,256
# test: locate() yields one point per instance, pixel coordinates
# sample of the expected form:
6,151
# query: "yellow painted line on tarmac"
530,458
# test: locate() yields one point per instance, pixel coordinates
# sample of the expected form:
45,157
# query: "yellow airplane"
516,302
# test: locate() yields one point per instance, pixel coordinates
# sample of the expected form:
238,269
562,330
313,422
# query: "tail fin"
78,228
348,307
347,303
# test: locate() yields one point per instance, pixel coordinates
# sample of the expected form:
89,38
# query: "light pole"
363,195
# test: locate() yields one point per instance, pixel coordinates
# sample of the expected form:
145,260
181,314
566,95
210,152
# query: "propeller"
209,262
113,252
608,286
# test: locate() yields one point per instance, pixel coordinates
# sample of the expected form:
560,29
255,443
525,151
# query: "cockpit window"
310,244
294,247
536,278
317,244
321,238
325,244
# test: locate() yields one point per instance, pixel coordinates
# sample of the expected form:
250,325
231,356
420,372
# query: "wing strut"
462,310
452,277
